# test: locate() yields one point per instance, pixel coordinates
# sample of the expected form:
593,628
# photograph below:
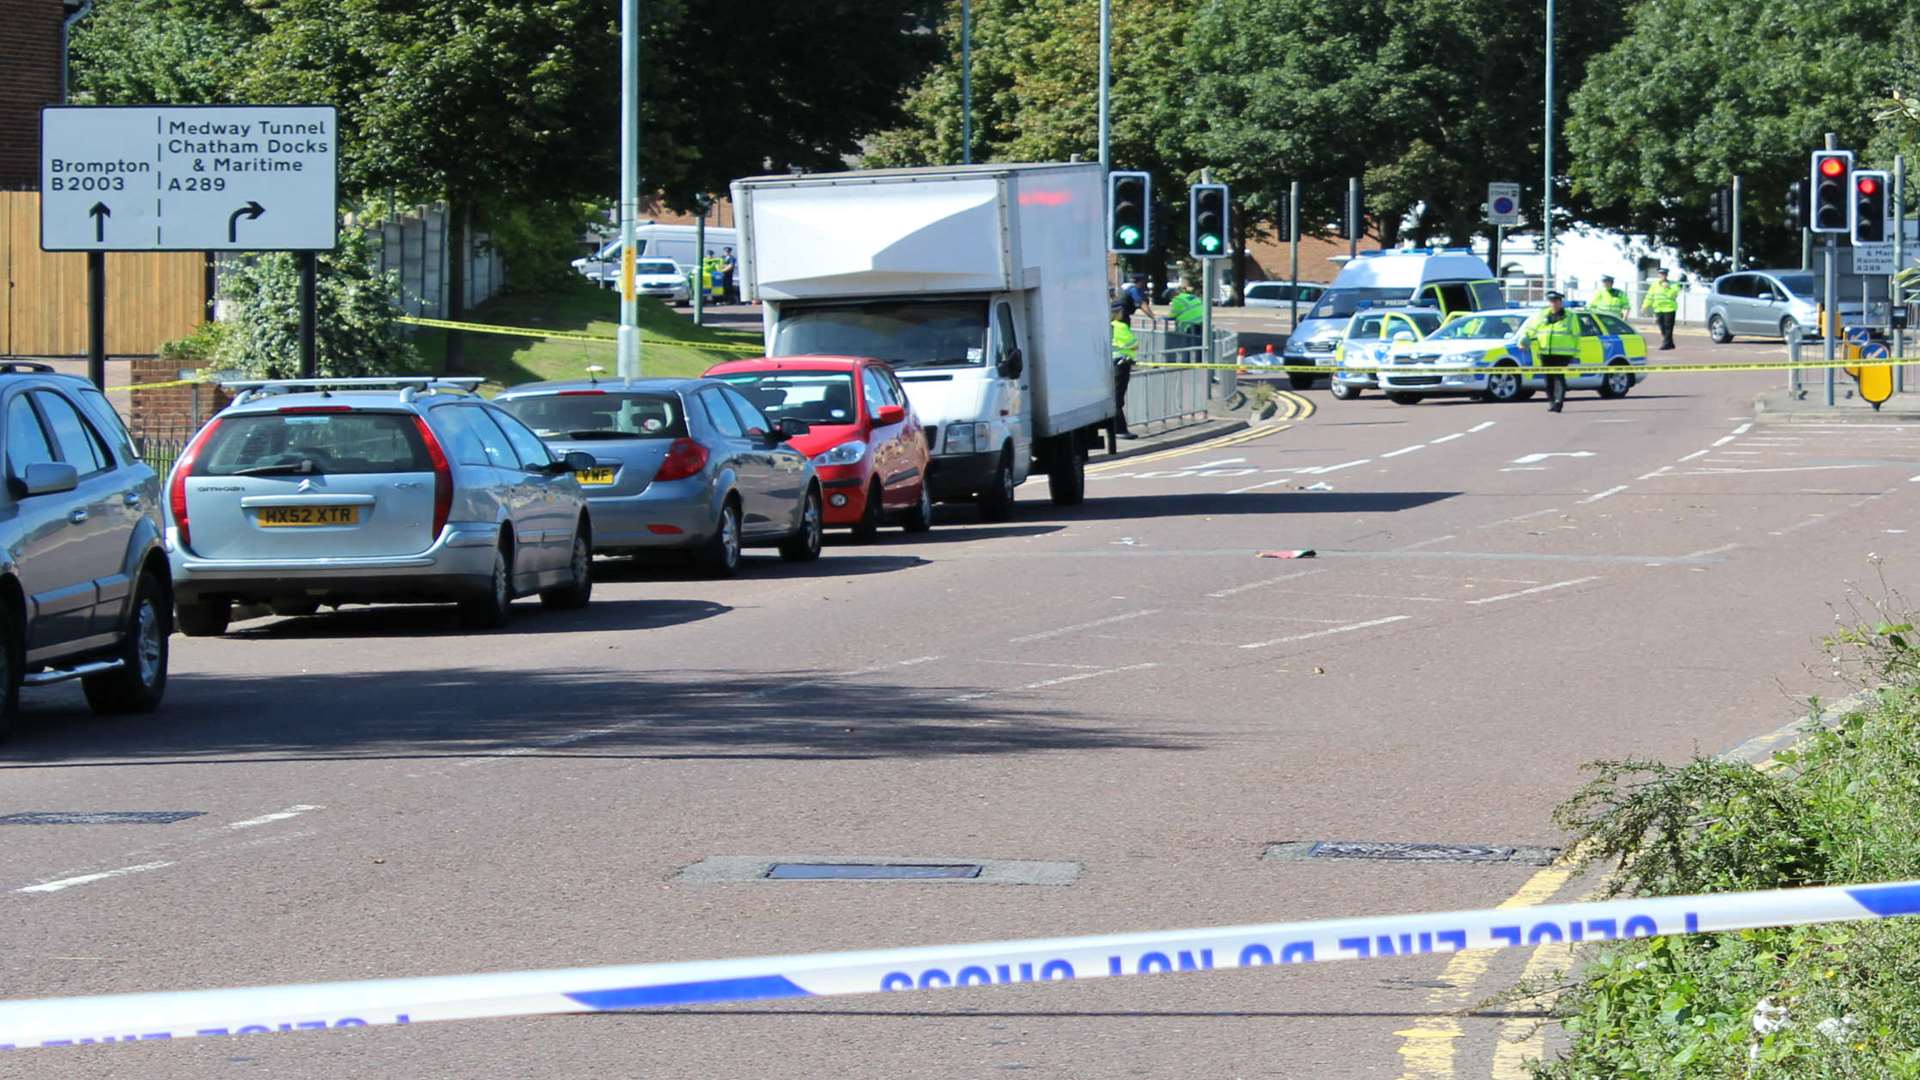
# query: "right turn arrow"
250,211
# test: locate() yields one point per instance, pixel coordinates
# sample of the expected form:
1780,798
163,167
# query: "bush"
355,308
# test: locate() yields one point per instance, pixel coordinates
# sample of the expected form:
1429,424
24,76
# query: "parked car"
84,589
310,492
682,465
1371,335
866,444
1500,364
1279,294
1763,303
661,279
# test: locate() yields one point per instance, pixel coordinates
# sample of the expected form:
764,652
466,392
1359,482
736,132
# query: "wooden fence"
151,297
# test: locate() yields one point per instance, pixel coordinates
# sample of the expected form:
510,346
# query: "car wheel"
804,544
1066,475
141,680
871,515
1399,398
920,518
1717,330
1617,381
719,557
1300,380
202,618
1343,391
1505,384
1789,326
490,610
996,503
578,591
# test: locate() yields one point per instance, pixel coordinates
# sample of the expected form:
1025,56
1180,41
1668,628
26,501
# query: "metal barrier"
1164,398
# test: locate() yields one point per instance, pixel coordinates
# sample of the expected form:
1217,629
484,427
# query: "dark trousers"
1556,384
1665,319
1122,374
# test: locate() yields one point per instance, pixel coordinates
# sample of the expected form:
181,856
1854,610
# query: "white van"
1450,279
674,242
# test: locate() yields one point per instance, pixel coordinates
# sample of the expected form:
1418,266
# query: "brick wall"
29,78
170,413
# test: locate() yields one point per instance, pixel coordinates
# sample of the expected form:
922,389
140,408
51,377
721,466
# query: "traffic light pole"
1353,218
1206,294
1735,226
1828,314
1293,256
1897,298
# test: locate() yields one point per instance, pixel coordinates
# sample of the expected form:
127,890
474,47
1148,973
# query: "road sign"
189,178
1503,204
1873,258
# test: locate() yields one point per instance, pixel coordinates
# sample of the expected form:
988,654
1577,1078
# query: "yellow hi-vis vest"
1662,296
1125,343
1548,336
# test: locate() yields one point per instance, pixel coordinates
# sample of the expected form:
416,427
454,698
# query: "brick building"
29,78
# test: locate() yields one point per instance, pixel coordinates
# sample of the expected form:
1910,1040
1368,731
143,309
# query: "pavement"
1500,596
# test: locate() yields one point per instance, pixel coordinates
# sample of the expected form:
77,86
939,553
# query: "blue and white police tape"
323,1006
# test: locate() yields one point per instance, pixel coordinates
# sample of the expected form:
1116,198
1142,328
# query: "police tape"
1248,367
162,385
332,1006
742,349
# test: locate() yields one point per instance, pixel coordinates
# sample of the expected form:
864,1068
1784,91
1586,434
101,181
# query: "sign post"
188,178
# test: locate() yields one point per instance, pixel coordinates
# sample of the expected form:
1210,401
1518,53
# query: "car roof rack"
10,366
408,385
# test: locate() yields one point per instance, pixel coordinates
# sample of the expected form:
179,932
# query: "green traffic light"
1210,243
1129,236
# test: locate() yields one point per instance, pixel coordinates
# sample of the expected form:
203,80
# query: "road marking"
1743,428
1449,438
1435,540
1661,471
1077,627
88,879
1328,633
1325,469
1536,589
1482,426
280,815
1531,458
1217,464
1256,487
1404,450
1814,520
1061,680
1250,586
1709,551
1731,471
1723,440
1696,454
1596,497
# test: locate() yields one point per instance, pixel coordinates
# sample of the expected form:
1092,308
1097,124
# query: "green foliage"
198,350
355,333
1828,1001
130,52
537,241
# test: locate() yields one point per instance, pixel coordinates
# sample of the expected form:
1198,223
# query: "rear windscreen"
600,415
313,443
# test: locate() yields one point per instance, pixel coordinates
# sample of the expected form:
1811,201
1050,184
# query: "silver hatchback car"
304,493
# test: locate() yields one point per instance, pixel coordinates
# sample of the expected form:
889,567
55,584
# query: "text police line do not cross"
189,178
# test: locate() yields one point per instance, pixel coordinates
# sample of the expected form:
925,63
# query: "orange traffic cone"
1240,359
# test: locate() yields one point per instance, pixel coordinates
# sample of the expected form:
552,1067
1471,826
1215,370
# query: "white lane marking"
1913,479
1661,471
1597,496
1531,458
782,688
1525,468
1814,520
1325,469
1044,683
1741,453
1449,438
1077,627
1723,440
1532,591
88,879
1729,470
1743,428
278,815
1404,450
1434,540
1709,551
1217,464
1328,633
1696,454
1039,663
1255,487
1482,426
1250,586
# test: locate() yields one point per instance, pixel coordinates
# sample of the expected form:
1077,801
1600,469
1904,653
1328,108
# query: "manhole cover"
869,871
1395,851
99,817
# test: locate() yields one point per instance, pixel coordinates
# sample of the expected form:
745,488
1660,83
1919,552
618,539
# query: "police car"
1370,337
1489,342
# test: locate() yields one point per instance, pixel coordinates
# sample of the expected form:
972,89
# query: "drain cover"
1393,851
100,817
869,871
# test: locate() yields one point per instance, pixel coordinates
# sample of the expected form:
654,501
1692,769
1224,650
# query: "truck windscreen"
937,333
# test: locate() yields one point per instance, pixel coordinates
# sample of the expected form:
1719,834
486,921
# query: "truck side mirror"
1011,364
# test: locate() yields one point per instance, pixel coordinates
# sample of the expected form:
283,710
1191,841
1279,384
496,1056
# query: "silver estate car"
303,493
683,464
83,570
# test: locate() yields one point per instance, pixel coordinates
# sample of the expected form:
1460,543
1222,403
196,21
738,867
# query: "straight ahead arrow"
99,213
250,211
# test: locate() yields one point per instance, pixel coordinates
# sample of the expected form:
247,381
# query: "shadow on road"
432,620
1204,504
676,567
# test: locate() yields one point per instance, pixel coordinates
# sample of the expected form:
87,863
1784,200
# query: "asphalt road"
1500,595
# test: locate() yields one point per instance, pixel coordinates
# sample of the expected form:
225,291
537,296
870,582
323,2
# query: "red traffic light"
1832,166
1869,185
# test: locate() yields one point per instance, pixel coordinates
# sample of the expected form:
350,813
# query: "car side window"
27,442
1588,327
898,392
750,415
111,425
1006,335
462,435
1263,292
1366,327
533,453
1736,285
723,418
875,390
1615,326
80,446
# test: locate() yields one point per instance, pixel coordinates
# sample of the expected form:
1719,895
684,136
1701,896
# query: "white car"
1279,294
661,279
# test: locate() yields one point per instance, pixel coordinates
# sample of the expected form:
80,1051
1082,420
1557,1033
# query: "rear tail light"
177,490
684,458
442,478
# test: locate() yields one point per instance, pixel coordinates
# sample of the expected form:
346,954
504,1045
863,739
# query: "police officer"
1187,312
1554,339
1609,300
1663,301
1125,347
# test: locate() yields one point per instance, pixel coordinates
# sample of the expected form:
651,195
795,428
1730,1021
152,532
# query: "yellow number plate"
595,477
279,516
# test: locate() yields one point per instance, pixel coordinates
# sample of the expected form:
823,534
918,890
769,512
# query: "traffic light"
1869,207
1797,205
1351,216
1832,209
1208,205
1721,211
1283,219
1129,214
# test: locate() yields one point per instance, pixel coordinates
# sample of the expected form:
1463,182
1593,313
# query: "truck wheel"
996,502
141,680
203,618
1067,474
1300,380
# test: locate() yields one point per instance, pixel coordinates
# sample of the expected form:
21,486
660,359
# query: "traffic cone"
1240,360
1268,358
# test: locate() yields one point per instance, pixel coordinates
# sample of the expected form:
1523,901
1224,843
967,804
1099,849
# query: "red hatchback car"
867,448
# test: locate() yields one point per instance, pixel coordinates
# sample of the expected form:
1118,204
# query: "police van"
674,242
1451,280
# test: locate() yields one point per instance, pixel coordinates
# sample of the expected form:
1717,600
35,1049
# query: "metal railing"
1165,398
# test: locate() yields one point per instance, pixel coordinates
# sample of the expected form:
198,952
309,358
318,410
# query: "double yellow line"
1294,407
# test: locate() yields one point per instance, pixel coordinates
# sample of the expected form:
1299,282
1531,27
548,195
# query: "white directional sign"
1873,258
189,178
1503,204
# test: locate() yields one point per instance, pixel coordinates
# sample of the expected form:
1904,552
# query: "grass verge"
1822,1001
578,307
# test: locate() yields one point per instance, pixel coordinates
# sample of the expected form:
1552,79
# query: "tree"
355,308
136,52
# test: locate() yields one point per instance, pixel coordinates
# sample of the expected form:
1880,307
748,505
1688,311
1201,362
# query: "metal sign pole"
309,349
1206,291
1831,316
1897,298
628,345
1106,74
1546,146
1293,255
700,270
1353,218
97,318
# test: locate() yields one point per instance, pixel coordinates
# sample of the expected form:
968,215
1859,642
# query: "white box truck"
983,285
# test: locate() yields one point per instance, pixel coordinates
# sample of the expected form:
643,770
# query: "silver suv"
84,592
304,493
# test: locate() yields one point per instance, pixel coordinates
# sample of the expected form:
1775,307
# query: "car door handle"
77,516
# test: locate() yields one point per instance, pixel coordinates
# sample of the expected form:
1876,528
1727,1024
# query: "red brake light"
1832,166
684,458
177,489
442,478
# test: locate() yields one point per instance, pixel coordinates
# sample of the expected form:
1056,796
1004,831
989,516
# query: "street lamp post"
1106,75
966,82
1546,191
627,345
